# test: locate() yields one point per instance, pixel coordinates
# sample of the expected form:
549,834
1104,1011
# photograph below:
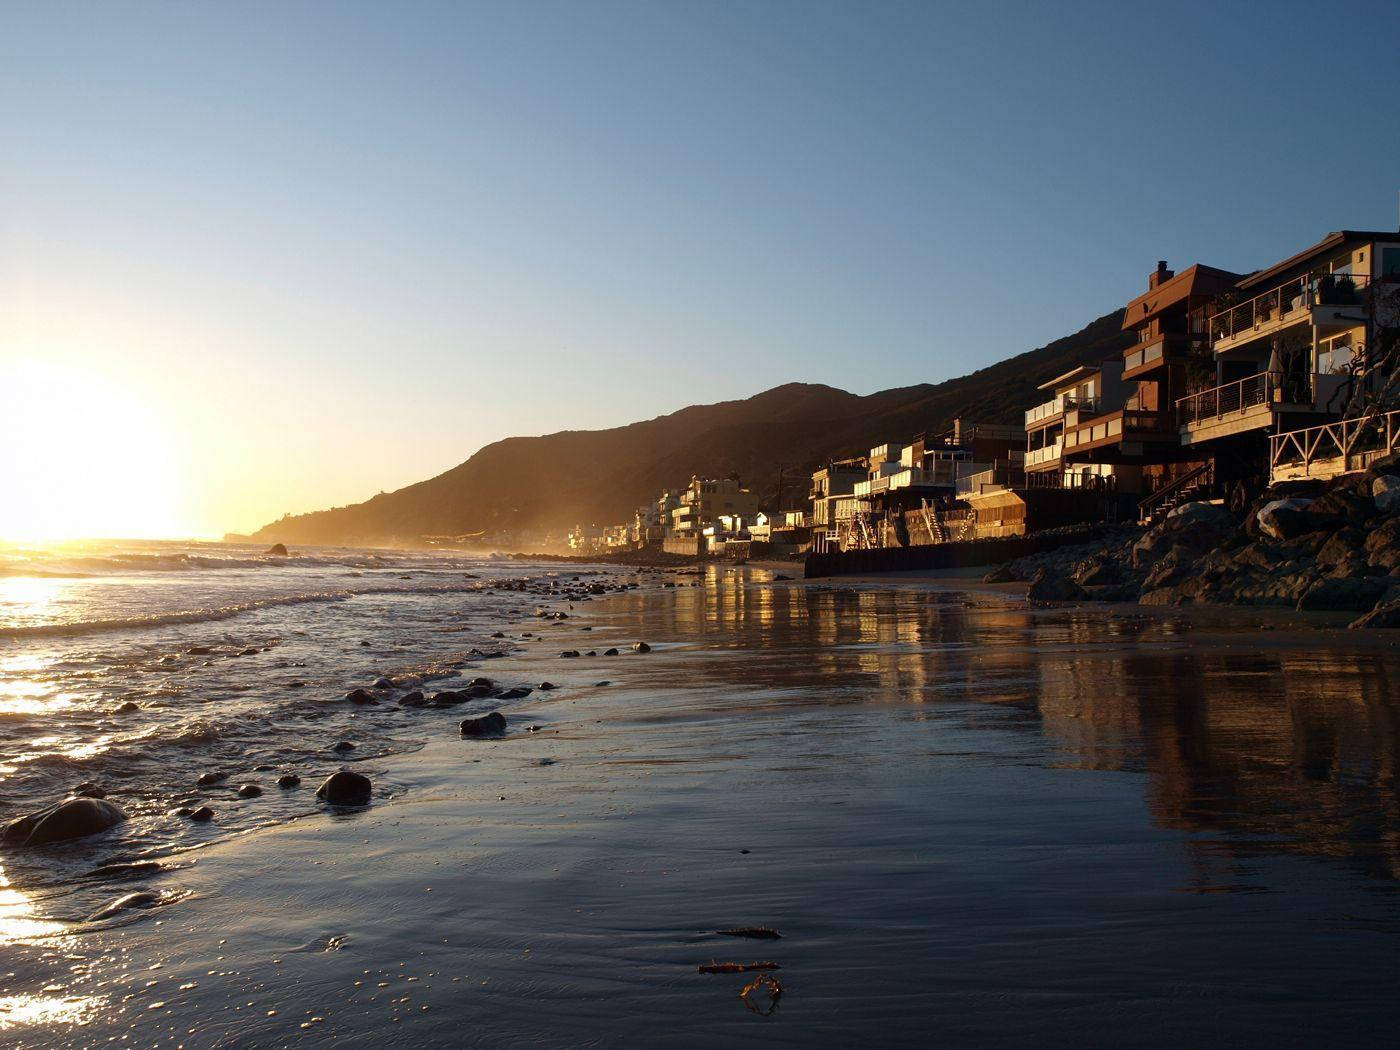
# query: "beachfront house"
1084,411
1282,343
832,500
705,499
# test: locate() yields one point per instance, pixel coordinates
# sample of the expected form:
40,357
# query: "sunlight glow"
84,457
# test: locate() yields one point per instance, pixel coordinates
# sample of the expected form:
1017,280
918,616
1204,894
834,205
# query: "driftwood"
759,933
734,967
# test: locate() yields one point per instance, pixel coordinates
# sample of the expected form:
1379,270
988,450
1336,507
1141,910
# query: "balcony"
1247,404
1312,298
1049,454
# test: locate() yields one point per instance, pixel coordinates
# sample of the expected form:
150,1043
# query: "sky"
261,258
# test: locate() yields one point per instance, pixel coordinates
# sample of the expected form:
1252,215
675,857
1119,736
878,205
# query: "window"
1334,357
1390,263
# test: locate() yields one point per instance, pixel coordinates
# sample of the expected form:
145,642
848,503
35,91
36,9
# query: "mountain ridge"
549,482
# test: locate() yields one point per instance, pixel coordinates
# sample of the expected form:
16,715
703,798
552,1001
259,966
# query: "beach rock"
384,683
493,724
277,550
203,814
1001,574
210,779
74,818
1348,594
288,780
342,746
344,788
1195,526
136,869
1347,500
641,647
569,654
141,899
87,789
546,686
1344,544
1386,614
249,791
413,699
362,696
1283,519
1385,493
127,707
1047,588
516,693
1098,573
610,652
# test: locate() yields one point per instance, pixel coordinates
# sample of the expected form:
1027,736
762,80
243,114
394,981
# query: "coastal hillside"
771,440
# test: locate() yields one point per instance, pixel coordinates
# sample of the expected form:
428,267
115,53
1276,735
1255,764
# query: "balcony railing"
1049,453
1145,356
1045,411
1219,401
1287,300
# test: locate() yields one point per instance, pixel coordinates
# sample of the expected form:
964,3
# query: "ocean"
138,667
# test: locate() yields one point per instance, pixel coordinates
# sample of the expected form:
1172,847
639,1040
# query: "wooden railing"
1348,440
1202,474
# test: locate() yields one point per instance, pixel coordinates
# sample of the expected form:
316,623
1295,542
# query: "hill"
552,482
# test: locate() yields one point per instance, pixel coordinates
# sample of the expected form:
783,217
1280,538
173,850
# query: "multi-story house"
706,499
1085,412
832,499
1282,344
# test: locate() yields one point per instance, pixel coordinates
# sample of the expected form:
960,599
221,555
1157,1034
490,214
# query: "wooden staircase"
1190,486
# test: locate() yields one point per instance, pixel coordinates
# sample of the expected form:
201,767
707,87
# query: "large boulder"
1194,526
1347,499
74,819
1352,594
1283,519
277,550
1341,546
1385,492
344,788
1047,588
493,724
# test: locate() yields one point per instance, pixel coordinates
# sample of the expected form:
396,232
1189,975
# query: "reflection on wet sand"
1251,740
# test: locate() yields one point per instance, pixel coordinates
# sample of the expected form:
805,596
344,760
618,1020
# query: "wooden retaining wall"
939,556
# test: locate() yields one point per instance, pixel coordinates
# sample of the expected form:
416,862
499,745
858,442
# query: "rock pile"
1306,545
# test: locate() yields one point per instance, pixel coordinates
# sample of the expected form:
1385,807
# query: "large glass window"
1390,263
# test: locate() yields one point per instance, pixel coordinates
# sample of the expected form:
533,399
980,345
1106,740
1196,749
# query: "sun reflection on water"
20,921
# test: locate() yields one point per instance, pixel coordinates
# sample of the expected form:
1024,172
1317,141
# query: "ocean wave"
223,612
127,623
116,564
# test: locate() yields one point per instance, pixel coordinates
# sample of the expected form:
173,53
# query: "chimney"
1162,274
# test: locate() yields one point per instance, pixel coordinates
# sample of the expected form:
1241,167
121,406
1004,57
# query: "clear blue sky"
344,245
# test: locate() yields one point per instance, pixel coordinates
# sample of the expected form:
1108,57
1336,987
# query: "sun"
80,456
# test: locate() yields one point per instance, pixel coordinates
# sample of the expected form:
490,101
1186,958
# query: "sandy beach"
968,819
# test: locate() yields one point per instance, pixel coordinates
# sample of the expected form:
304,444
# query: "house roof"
1073,375
1198,279
1334,240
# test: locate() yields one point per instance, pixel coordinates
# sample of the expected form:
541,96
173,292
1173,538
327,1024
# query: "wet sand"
974,823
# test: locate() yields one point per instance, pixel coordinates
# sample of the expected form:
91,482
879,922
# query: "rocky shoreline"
1310,545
